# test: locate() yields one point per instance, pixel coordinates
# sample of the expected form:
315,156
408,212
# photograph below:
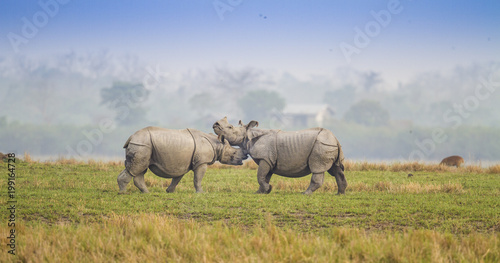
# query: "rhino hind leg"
338,173
316,182
140,183
123,179
199,172
268,180
268,177
137,162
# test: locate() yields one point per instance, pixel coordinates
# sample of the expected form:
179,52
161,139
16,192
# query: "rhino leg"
264,174
173,184
123,179
199,172
137,162
140,183
268,177
337,172
316,182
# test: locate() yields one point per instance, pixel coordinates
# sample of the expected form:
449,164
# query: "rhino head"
235,135
230,155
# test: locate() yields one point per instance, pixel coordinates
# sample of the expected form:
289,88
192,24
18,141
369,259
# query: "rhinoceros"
290,154
453,160
172,153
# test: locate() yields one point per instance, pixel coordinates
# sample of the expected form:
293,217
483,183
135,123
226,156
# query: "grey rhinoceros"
172,153
290,154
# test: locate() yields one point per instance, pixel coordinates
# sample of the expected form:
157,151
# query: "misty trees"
260,104
367,112
202,102
340,99
125,99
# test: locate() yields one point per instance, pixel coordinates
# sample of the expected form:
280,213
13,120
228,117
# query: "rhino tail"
140,137
126,143
340,158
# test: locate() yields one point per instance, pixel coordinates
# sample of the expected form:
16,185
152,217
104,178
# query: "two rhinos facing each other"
173,153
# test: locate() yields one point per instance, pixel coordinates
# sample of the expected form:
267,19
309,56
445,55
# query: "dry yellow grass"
416,167
72,161
495,169
27,158
153,238
393,167
247,164
348,164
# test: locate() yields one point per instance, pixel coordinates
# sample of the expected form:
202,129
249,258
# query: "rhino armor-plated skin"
173,153
290,154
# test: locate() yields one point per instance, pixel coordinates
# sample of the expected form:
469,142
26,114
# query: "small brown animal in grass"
454,160
3,156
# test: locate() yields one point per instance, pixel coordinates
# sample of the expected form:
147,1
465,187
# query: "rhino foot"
307,192
341,190
263,191
122,192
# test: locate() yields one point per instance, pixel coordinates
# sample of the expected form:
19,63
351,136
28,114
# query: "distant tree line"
359,141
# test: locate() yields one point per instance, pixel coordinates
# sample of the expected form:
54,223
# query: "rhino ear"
240,123
252,124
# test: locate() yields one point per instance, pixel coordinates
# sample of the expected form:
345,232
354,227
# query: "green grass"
384,216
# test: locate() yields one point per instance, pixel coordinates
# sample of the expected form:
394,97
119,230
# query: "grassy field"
70,211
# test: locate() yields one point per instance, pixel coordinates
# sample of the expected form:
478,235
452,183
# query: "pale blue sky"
300,37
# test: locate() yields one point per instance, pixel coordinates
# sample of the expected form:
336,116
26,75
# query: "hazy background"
407,80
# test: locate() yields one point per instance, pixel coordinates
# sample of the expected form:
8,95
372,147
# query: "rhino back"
172,151
293,151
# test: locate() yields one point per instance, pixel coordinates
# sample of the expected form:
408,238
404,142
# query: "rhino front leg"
316,182
123,179
339,177
264,174
140,183
173,184
199,172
